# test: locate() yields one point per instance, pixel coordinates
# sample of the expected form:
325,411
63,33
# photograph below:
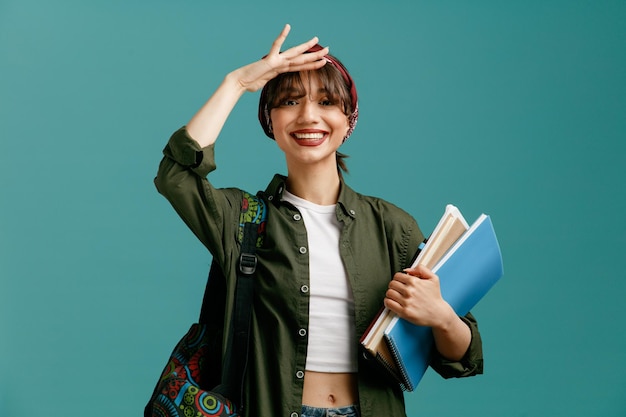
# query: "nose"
308,112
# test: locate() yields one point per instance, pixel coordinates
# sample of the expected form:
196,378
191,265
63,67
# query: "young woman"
330,257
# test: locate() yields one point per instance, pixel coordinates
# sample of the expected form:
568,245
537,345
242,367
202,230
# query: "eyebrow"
294,92
300,92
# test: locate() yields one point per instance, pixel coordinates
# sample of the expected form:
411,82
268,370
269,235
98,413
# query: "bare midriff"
330,390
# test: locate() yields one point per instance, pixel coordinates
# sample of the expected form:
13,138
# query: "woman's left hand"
415,295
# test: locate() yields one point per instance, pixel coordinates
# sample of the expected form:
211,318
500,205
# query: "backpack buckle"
247,263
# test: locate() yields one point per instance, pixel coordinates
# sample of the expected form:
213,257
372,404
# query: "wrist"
447,319
233,81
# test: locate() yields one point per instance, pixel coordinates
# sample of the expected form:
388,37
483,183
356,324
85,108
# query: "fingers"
420,271
415,295
409,276
402,295
303,47
407,284
305,63
296,54
400,287
392,305
278,42
402,278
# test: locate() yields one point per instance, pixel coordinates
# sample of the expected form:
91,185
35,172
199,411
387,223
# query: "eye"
328,101
288,100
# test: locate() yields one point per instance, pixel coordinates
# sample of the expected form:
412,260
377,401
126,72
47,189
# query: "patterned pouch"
178,393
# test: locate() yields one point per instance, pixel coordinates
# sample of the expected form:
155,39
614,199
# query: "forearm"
452,336
206,125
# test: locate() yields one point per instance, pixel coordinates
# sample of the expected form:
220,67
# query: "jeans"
349,411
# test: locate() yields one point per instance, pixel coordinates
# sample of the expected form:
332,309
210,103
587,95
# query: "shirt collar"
274,190
348,199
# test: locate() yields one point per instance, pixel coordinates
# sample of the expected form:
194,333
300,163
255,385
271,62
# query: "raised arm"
207,123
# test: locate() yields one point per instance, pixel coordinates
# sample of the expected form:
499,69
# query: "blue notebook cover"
466,273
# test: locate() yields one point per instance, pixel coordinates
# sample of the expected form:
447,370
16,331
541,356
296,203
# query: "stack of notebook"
468,262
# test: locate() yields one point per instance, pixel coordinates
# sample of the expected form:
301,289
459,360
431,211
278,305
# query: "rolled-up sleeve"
471,363
210,213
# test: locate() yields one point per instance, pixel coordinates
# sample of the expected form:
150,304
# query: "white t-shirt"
332,333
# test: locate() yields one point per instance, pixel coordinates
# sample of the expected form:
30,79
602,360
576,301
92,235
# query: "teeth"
309,135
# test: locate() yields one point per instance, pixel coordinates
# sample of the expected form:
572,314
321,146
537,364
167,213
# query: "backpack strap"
252,225
253,211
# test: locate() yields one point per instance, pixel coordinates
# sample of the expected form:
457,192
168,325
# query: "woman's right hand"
207,123
254,76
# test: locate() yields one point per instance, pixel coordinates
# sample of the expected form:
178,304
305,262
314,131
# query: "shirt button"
304,288
294,414
270,197
302,332
297,217
352,212
302,250
299,374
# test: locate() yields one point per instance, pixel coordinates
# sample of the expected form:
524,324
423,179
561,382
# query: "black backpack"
195,381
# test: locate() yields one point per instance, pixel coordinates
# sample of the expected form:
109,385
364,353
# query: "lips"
309,137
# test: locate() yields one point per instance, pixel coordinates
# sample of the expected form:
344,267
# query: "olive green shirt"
377,239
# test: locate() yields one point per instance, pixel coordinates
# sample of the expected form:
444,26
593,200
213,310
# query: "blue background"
514,108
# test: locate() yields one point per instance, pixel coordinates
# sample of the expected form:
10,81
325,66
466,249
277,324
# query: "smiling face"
309,120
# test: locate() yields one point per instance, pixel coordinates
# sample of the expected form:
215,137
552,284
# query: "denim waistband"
348,411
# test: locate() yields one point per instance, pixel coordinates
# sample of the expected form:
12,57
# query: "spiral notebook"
467,266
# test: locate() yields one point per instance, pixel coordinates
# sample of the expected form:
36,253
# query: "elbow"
171,179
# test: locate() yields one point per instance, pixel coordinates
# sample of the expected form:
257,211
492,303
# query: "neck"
318,187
